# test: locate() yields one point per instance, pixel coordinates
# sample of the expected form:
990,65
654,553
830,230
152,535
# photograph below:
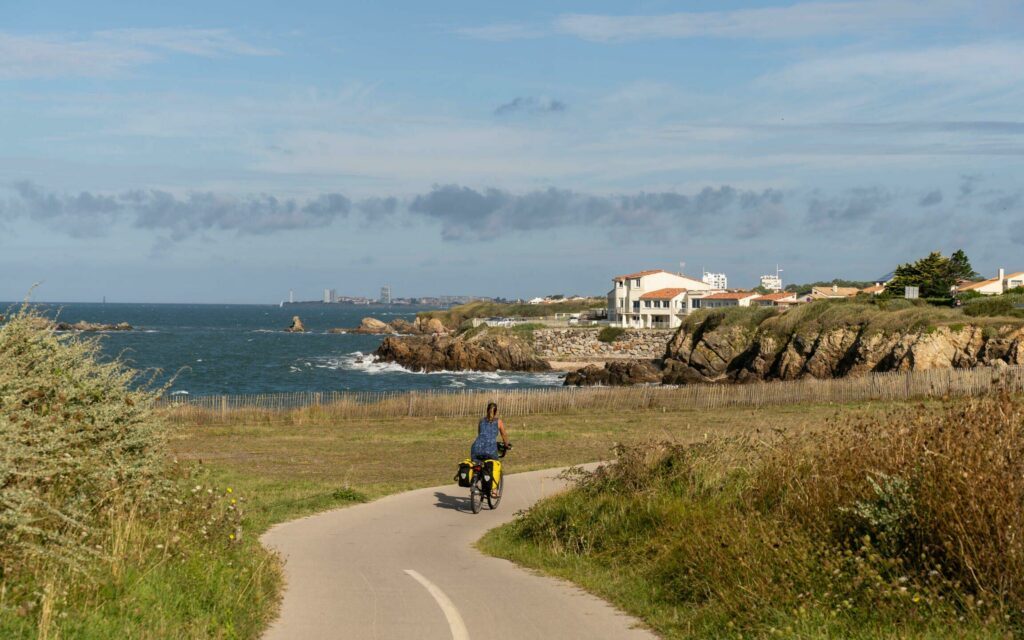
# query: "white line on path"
458,627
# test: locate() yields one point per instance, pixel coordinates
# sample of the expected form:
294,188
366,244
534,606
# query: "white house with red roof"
653,299
1002,283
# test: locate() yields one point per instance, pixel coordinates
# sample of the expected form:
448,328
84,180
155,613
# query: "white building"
330,295
771,282
729,299
716,280
653,299
996,286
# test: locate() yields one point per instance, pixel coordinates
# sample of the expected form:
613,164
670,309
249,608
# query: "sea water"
233,349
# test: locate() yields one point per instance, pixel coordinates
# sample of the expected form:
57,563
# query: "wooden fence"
521,402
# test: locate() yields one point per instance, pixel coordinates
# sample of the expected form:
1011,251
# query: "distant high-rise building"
330,296
291,296
716,280
772,282
385,294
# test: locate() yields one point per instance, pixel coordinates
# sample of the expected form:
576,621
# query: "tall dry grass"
903,524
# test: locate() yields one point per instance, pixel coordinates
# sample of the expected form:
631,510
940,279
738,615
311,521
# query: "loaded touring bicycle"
484,479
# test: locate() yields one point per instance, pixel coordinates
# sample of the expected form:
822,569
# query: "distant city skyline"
230,151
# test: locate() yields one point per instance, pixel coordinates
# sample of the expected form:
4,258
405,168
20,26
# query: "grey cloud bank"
465,214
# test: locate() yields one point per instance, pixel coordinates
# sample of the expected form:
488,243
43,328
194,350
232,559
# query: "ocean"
235,349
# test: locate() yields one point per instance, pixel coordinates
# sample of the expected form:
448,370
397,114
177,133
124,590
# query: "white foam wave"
369,363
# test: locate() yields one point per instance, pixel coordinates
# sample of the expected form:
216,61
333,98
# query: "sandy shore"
571,365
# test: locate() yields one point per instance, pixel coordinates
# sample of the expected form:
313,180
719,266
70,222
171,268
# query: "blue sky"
231,151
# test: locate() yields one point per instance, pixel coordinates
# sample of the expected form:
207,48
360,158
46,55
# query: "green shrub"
992,306
610,334
101,535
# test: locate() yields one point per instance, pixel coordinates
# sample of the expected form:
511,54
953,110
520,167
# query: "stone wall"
582,344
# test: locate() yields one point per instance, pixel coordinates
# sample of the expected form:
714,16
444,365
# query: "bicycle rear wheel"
492,502
476,498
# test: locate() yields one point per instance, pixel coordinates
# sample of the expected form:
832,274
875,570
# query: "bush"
610,334
100,534
74,441
993,306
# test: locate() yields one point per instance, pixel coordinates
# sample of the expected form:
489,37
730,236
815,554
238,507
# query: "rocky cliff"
835,343
485,351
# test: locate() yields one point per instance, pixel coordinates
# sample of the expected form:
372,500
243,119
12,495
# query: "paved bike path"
404,567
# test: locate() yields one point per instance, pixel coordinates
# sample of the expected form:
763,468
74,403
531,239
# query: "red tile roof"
781,295
730,295
662,294
877,288
639,274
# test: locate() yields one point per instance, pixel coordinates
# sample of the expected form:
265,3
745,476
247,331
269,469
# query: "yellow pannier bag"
464,476
492,474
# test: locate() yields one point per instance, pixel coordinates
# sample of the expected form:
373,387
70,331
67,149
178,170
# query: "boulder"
482,352
617,373
296,326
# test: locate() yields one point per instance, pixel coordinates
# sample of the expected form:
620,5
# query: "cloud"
88,214
931,198
855,206
466,213
1004,203
800,20
988,65
110,53
530,104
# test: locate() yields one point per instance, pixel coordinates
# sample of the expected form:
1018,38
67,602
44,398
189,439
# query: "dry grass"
899,523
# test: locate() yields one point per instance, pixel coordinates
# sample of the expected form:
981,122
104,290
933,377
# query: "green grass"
610,334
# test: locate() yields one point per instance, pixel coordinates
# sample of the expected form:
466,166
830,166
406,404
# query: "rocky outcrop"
400,326
296,326
617,373
82,325
481,352
740,354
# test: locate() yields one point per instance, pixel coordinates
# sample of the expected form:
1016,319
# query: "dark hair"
491,406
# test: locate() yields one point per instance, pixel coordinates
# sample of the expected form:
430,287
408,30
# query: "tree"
935,275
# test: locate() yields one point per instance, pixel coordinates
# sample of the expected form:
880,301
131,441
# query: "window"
620,283
647,303
636,305
636,282
696,303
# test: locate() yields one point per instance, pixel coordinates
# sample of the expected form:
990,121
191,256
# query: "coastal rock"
709,352
296,326
372,326
482,352
82,325
616,373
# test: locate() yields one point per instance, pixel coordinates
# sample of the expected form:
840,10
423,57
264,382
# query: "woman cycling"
485,447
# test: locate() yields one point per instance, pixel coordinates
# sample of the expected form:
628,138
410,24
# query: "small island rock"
296,326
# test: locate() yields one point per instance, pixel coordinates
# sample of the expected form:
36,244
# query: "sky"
233,151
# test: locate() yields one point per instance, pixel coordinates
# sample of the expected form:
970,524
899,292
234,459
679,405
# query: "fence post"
223,407
410,403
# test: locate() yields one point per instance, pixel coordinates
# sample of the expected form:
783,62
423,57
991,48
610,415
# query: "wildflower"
231,536
232,501
229,490
916,598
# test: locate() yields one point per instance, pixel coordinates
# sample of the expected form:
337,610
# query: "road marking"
458,627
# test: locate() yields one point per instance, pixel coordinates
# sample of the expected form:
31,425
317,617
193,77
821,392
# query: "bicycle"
476,489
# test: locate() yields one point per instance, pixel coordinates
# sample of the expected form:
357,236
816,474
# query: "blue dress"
486,444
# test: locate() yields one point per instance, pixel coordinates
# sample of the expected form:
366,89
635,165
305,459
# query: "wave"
370,364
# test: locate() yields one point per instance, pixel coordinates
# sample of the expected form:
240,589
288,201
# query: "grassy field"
287,470
894,524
